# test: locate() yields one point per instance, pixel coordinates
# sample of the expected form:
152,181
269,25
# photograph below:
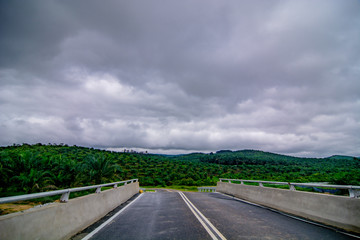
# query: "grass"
150,190
183,188
7,208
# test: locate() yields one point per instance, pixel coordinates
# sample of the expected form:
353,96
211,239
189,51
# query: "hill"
341,157
228,157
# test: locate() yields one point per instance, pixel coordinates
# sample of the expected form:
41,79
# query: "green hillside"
341,157
34,168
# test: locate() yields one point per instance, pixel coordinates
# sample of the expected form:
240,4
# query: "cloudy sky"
180,76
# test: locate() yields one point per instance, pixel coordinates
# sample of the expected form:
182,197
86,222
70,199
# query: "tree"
33,181
99,169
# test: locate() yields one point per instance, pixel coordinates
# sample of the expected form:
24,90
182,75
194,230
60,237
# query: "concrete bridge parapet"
338,211
63,220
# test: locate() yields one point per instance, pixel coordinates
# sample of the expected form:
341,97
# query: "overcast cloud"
180,76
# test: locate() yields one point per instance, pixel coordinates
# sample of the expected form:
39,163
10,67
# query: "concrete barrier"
338,211
63,220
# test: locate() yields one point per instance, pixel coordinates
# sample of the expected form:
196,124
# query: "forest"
34,168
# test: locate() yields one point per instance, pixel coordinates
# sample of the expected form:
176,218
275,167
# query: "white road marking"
109,220
202,218
199,219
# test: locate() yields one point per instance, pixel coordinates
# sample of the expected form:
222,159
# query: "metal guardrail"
206,189
65,193
354,191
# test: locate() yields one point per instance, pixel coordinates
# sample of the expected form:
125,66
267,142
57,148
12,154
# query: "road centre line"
202,218
207,221
199,219
109,220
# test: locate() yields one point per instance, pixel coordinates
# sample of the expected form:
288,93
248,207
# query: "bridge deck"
170,215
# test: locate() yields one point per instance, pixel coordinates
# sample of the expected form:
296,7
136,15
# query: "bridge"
232,210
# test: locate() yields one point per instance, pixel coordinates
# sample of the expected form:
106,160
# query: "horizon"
173,152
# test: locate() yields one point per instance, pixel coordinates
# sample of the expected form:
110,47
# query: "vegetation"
34,168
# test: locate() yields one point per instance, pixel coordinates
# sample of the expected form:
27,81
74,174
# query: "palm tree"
100,169
33,181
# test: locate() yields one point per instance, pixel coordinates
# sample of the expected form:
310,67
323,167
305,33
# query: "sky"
182,76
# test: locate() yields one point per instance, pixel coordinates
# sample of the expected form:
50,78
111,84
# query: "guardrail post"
98,190
115,186
241,182
261,185
354,193
292,187
229,181
65,197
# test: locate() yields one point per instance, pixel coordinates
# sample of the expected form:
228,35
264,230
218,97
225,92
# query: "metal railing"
65,193
354,191
206,189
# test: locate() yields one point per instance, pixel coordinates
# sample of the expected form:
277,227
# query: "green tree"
33,181
99,169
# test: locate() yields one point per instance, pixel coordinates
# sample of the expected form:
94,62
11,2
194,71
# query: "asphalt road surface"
175,215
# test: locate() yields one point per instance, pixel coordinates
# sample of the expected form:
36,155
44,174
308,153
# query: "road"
174,215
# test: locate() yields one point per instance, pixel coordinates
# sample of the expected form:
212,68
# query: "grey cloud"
276,75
